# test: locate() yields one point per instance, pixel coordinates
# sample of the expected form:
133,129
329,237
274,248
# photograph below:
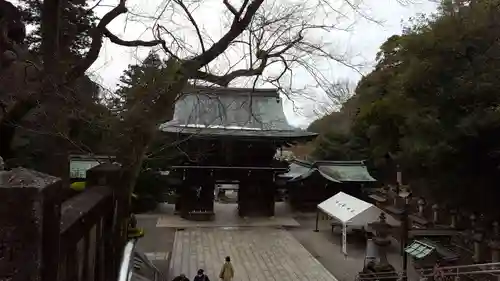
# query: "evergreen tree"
140,79
76,22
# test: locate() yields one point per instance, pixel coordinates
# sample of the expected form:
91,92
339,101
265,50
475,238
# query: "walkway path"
258,254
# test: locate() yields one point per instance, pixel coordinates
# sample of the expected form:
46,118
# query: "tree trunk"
140,133
8,127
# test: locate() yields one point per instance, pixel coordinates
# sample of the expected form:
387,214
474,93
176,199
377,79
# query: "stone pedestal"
382,245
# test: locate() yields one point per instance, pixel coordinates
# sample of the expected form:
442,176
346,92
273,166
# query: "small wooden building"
310,183
431,245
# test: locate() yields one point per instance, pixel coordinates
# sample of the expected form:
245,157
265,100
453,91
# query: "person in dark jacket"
181,277
201,276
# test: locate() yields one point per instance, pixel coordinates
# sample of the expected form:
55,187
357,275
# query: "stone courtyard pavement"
257,253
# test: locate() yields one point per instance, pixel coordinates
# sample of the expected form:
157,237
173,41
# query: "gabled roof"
234,112
335,171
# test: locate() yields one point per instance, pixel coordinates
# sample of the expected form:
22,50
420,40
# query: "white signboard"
78,168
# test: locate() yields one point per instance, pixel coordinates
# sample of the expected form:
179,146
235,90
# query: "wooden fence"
45,238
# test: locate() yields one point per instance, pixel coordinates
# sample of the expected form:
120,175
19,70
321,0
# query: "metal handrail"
453,270
471,265
125,272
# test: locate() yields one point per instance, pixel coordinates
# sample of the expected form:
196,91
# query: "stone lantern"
381,238
477,238
472,221
494,243
421,207
435,213
3,173
385,189
453,222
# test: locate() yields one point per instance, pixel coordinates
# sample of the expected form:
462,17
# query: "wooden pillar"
243,194
256,195
29,226
206,201
178,198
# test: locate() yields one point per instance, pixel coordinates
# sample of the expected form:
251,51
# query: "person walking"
181,277
201,276
227,270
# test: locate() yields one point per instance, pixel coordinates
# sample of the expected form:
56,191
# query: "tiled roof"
232,112
419,249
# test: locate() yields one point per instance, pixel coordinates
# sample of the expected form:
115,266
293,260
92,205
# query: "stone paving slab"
226,215
258,254
178,222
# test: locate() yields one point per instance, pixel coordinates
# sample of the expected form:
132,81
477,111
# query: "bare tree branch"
133,43
238,26
96,45
97,35
193,21
231,8
224,80
263,56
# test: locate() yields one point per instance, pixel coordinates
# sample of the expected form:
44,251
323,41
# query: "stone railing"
46,237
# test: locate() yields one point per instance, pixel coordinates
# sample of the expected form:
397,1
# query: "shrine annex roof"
238,112
335,171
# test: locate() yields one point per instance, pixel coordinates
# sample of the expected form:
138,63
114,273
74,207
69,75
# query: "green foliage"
432,104
139,80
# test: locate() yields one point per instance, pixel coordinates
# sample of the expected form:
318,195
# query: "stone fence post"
30,211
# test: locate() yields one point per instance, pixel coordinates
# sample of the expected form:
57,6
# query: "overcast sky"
361,42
